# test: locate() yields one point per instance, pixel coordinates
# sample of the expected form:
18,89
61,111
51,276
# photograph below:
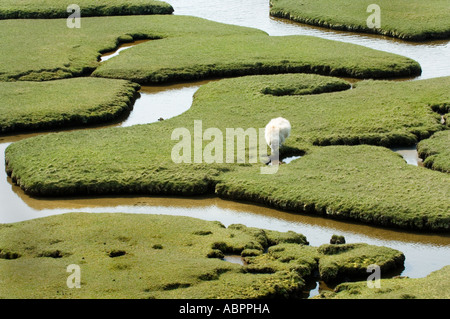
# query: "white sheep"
276,132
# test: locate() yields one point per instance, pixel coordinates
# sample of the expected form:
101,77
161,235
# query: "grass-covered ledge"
412,20
436,151
162,256
48,9
35,106
183,48
370,184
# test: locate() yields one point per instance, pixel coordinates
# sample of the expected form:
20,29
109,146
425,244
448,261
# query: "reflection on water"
235,259
289,159
162,102
410,155
424,252
122,47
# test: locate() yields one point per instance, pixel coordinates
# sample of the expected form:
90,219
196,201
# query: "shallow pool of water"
409,154
123,46
158,103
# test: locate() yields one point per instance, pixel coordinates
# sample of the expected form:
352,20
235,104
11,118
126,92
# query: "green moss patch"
184,48
45,9
70,102
404,19
113,268
434,286
436,151
353,260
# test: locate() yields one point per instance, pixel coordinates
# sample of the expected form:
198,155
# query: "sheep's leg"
275,154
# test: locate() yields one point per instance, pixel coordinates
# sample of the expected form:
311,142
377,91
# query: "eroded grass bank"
436,151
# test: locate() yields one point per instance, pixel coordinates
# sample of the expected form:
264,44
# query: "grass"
205,57
332,262
408,20
156,256
364,183
436,151
52,104
184,48
352,260
433,286
372,112
45,9
46,49
370,184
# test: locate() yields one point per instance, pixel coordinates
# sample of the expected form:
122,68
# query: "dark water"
424,252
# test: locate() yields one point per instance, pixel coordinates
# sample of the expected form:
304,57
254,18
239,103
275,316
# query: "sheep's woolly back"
278,129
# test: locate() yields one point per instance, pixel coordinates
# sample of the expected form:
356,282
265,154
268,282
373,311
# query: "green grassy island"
54,104
411,20
47,9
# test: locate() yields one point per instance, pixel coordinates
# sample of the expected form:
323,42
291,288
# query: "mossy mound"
332,262
408,20
436,151
353,260
62,103
46,9
434,286
183,48
152,256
